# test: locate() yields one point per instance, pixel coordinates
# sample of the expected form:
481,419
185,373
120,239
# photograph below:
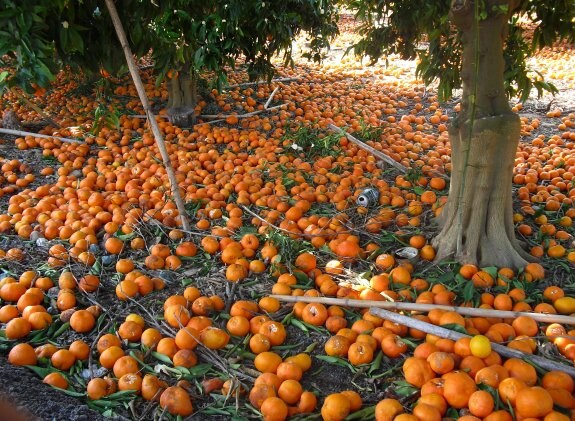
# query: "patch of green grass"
312,142
368,132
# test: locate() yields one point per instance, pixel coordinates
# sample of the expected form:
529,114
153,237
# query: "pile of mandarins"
248,179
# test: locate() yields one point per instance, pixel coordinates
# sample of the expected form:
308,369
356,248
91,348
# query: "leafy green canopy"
39,36
421,29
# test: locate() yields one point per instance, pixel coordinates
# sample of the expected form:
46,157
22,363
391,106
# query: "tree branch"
151,117
542,362
369,149
43,136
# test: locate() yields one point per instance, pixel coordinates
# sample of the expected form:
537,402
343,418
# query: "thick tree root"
182,116
477,221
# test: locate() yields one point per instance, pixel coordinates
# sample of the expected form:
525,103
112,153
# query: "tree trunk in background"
477,221
182,97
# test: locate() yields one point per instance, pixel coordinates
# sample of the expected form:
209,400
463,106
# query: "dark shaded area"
23,397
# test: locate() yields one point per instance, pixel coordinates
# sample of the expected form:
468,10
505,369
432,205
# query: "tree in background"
477,45
183,37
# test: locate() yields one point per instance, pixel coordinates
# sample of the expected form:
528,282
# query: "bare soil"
32,400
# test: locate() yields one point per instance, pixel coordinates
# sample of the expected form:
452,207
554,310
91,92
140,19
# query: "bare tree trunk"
182,99
151,118
477,221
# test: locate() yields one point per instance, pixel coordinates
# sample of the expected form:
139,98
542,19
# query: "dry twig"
266,105
453,335
43,136
151,118
369,149
223,116
392,305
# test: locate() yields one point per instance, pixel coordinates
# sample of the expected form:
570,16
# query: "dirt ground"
34,401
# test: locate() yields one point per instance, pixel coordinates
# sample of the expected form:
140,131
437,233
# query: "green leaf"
363,414
41,371
301,277
299,325
455,327
491,270
418,190
61,330
404,389
161,357
468,291
376,364
122,394
71,392
337,361
200,370
76,44
64,40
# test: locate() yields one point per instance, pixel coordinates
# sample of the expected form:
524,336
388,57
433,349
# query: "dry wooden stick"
392,305
34,107
241,115
453,335
151,117
43,136
145,116
369,149
266,105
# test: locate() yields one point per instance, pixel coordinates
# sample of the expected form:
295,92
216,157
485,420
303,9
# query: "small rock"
36,235
97,371
108,260
167,276
42,242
